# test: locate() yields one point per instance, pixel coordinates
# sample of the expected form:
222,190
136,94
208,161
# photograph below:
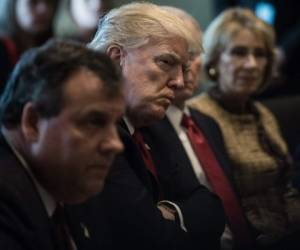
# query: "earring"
212,72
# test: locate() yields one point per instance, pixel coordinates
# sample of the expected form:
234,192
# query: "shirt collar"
47,198
175,114
129,125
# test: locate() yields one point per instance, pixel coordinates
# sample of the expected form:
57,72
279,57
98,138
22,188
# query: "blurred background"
26,23
202,10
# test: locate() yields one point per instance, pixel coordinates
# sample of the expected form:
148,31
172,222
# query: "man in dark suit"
152,54
179,163
58,139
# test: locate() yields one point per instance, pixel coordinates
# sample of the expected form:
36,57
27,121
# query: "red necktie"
219,183
138,138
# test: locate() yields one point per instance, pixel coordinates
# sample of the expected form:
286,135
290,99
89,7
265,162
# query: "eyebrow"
174,55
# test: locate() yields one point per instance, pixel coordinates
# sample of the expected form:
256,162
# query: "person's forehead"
247,37
86,84
99,101
175,46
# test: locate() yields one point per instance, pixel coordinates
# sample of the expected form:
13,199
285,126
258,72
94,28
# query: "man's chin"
182,97
157,115
90,190
161,112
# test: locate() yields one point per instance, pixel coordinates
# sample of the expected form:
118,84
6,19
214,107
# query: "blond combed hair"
132,25
192,24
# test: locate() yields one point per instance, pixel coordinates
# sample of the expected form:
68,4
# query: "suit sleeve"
135,207
13,233
135,215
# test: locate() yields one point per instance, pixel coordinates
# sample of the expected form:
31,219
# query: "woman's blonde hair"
224,28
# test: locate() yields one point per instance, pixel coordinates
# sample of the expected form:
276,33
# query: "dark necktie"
219,182
61,229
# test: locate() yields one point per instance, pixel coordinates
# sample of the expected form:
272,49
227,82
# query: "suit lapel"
35,221
173,165
215,139
135,160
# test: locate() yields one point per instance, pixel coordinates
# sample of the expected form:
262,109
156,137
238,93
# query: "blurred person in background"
78,19
284,17
23,24
238,58
282,96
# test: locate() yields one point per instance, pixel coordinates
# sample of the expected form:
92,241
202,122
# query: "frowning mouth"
166,100
169,97
101,166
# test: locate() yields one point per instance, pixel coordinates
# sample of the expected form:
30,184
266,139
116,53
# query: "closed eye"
165,62
95,119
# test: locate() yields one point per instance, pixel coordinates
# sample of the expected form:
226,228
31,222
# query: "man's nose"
113,142
178,77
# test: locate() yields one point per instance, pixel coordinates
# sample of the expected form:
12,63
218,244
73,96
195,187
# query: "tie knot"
187,121
137,136
59,215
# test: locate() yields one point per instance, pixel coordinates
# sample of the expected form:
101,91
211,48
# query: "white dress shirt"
174,115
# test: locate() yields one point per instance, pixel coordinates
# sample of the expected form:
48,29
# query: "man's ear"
117,54
29,122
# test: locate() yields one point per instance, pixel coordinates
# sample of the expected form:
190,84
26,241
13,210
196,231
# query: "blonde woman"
239,57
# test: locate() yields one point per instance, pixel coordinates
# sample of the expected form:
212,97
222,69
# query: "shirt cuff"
178,211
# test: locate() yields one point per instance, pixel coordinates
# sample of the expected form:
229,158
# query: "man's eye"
99,122
95,121
165,62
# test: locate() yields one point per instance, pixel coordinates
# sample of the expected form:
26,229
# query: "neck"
179,104
233,103
135,120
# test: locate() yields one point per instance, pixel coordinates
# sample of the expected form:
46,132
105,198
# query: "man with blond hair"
151,47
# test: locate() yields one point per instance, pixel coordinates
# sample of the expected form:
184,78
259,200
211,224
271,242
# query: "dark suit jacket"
24,222
169,154
173,165
125,216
